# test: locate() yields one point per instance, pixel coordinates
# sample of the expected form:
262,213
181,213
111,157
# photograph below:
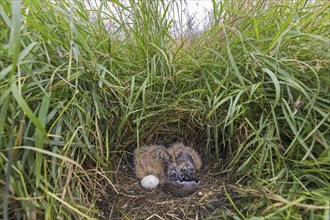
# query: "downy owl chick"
187,161
152,160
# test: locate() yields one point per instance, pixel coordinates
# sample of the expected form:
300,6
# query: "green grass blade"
26,109
39,138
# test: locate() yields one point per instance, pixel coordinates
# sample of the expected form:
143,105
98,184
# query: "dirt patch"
128,200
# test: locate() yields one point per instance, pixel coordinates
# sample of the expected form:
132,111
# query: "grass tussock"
82,85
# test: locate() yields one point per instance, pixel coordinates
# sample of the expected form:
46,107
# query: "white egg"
149,182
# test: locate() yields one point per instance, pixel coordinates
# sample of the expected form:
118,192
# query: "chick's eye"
173,175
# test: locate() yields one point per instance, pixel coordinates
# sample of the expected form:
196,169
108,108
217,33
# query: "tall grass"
83,85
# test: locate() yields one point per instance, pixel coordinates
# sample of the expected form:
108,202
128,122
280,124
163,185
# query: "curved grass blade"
276,84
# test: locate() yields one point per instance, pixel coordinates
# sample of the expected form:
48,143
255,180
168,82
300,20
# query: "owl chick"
152,160
176,186
187,161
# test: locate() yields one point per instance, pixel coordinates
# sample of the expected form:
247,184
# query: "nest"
124,198
128,200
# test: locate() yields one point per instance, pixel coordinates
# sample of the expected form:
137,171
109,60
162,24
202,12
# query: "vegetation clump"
83,83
